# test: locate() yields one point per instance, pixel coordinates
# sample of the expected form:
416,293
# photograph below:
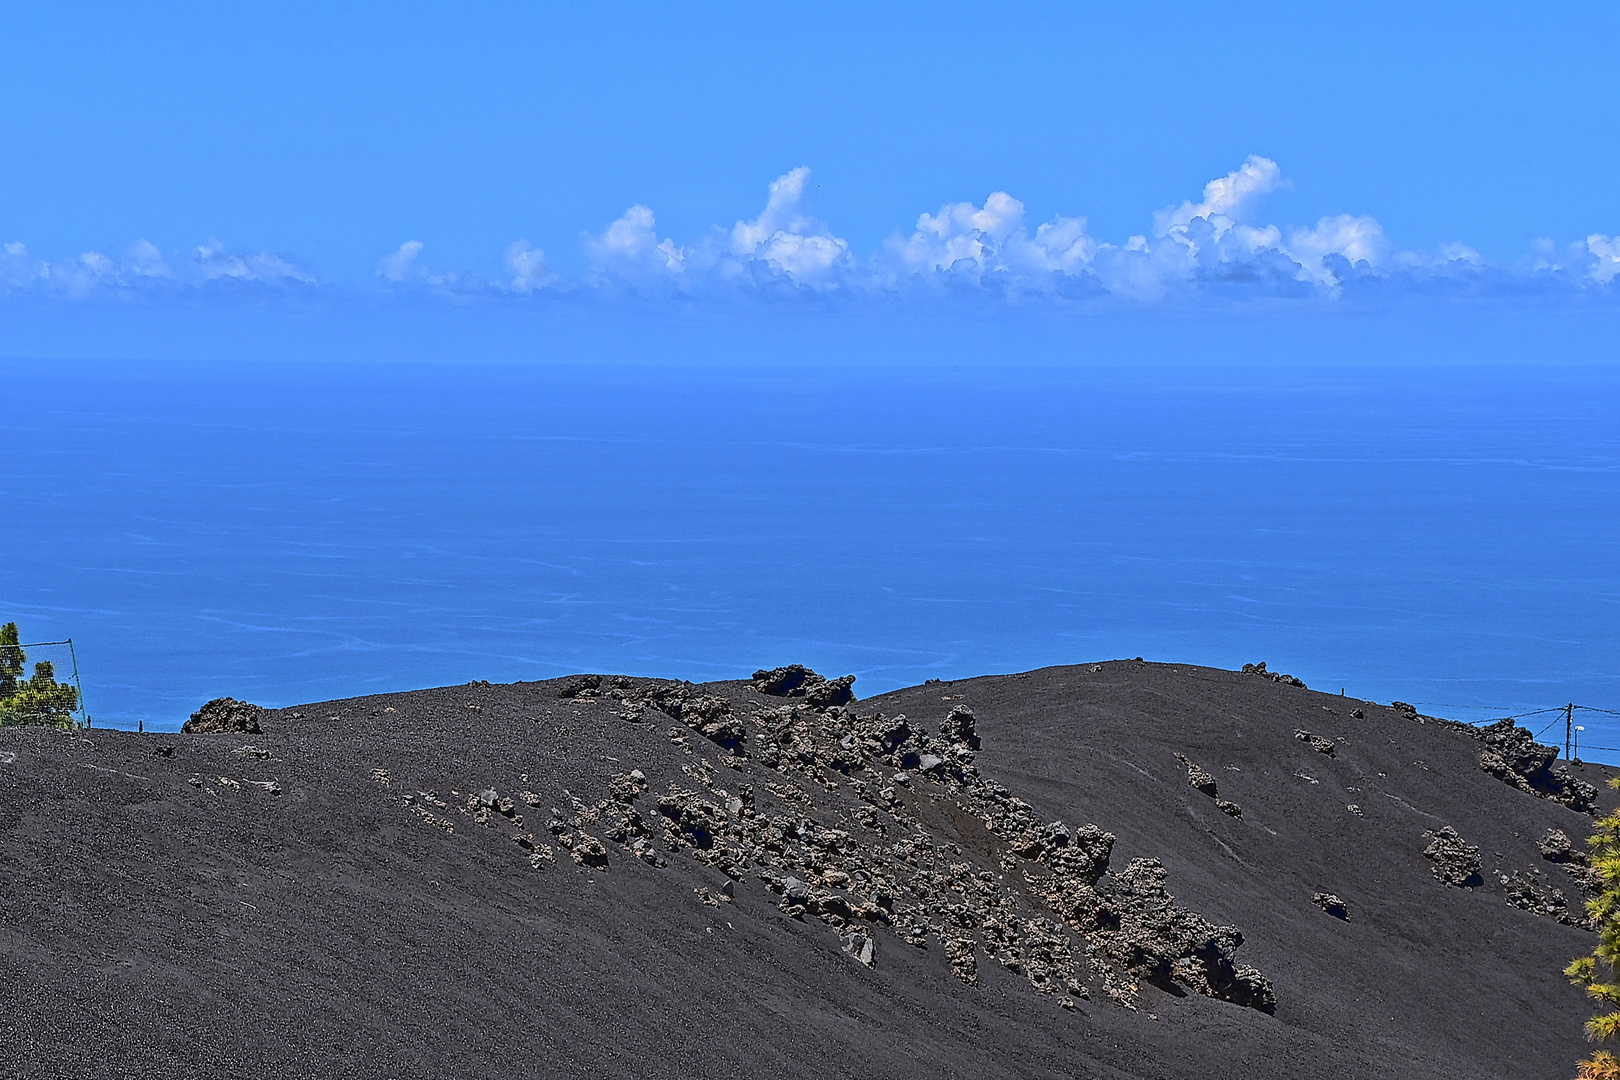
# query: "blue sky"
163,146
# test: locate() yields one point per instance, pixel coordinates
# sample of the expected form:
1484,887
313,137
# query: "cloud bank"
142,268
1216,247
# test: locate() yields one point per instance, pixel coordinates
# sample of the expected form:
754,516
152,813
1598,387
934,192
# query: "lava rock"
1199,777
223,715
1527,892
1166,944
796,680
589,851
1275,676
1513,756
1321,744
1557,847
960,728
1456,862
708,714
1332,904
580,686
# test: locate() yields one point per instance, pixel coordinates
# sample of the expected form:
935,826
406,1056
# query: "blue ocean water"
286,532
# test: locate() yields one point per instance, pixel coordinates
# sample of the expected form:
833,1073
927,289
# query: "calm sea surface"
293,532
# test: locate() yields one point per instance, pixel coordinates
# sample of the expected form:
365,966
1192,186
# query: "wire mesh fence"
42,685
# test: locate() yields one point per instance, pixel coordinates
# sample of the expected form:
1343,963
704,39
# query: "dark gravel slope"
331,897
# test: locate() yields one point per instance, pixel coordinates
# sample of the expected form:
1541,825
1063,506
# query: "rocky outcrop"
1456,862
223,715
580,686
959,729
1275,676
1512,755
1172,947
707,714
844,817
798,681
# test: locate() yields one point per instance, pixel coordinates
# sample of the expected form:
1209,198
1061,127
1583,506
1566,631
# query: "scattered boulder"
859,947
1557,847
1275,676
1332,904
1202,780
1456,862
223,715
589,851
1199,778
1321,744
627,787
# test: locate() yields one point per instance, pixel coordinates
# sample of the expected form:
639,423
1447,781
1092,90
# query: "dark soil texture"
1117,870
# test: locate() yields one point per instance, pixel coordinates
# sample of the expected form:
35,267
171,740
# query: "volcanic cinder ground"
473,882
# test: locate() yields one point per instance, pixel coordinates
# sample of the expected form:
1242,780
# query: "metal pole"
74,657
1569,723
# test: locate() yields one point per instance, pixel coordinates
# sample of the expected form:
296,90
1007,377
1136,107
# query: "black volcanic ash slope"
1113,870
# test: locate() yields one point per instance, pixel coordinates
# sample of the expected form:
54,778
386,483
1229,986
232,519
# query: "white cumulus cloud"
1605,253
786,239
1233,197
146,261
630,249
18,268
214,262
1357,239
400,265
993,240
528,267
1218,245
960,233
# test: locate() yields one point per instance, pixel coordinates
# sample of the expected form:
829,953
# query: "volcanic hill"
1116,870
